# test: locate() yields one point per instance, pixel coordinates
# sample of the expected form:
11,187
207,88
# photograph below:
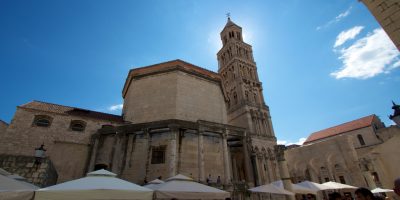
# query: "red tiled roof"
167,66
60,109
342,128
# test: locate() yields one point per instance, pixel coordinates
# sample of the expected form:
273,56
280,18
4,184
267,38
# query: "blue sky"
321,63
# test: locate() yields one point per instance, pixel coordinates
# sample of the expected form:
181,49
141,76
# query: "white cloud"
368,56
343,14
347,35
115,107
284,142
337,19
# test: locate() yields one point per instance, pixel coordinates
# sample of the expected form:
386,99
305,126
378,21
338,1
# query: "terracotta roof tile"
342,128
60,109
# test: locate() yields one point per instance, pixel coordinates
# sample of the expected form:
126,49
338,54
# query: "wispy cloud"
347,35
299,142
337,19
115,107
368,56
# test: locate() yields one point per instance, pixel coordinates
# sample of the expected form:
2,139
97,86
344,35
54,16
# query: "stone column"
256,168
93,155
116,155
129,152
173,161
247,163
370,181
227,168
283,169
201,157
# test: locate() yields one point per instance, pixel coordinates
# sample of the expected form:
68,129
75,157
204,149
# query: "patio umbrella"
380,190
154,184
338,186
271,189
97,185
11,189
296,188
314,186
183,187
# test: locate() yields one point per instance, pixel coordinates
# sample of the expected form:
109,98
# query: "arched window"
42,121
234,98
361,139
78,125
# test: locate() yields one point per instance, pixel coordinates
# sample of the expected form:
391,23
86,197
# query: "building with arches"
361,152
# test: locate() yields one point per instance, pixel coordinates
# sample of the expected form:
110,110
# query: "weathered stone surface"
42,175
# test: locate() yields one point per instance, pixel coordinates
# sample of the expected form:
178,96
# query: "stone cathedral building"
176,118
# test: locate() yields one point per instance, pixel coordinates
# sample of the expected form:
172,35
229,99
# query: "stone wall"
387,13
326,160
42,175
3,127
67,149
174,95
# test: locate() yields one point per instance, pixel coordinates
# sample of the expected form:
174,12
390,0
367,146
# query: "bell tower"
241,86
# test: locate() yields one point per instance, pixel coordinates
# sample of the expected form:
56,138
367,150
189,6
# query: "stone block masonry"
41,175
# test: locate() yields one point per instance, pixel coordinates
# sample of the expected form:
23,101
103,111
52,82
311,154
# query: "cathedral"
177,118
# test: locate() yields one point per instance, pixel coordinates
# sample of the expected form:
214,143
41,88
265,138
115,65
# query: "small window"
42,121
77,125
361,139
100,166
158,155
341,179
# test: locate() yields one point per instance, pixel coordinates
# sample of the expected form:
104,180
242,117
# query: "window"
341,179
77,125
361,139
158,155
100,166
42,121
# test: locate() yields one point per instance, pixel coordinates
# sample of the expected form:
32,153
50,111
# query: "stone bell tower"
245,102
242,88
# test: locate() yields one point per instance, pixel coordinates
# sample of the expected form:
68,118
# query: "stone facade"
154,94
41,174
361,153
61,142
3,127
387,13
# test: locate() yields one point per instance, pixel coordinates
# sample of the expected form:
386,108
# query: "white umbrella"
296,188
154,184
270,188
97,185
380,190
314,186
182,187
11,189
338,186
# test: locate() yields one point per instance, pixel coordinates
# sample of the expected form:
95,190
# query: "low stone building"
361,152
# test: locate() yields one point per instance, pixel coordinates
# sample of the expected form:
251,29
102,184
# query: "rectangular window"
158,154
341,178
326,179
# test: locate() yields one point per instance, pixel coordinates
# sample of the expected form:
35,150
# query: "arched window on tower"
361,139
234,98
255,98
